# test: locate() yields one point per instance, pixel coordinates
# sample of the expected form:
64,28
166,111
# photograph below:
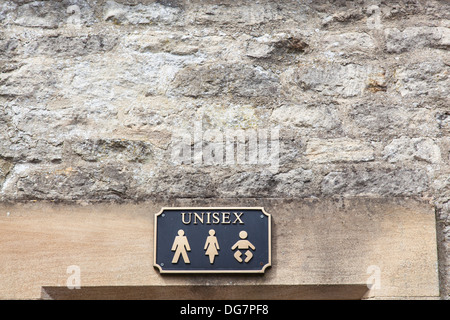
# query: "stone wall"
93,94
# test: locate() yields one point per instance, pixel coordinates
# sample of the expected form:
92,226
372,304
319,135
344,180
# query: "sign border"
262,270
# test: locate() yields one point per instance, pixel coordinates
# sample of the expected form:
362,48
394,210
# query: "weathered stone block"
335,79
338,150
280,44
443,119
61,183
32,134
8,47
376,182
139,14
319,118
295,183
232,14
224,79
47,14
345,43
94,150
413,38
182,182
411,149
423,79
441,185
378,120
5,168
70,45
44,14
173,43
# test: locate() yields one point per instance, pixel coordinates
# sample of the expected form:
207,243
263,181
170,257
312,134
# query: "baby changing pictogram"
243,244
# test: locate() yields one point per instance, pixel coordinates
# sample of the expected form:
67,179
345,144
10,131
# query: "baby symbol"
243,244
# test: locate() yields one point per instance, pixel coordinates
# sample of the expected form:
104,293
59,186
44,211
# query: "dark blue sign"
219,240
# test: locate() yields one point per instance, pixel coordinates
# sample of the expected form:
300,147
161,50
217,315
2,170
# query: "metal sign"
212,240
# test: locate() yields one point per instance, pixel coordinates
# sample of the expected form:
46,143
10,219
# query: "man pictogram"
180,246
243,244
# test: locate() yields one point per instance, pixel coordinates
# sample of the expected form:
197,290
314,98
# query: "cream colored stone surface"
339,244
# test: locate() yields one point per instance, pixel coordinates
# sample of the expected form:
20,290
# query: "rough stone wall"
93,92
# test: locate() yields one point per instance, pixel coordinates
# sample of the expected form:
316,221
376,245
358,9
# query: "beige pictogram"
243,244
180,246
211,246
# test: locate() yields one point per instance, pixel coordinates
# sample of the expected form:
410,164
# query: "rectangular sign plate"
212,240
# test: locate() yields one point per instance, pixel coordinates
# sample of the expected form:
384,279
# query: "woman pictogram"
211,246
